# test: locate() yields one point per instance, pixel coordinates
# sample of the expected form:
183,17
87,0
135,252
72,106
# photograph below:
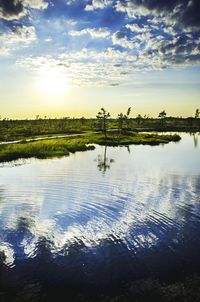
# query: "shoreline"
63,146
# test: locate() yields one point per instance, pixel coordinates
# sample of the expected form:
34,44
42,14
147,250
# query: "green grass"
65,146
135,138
22,129
42,149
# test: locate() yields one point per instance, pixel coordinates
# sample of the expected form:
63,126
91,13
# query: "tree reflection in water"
103,161
94,243
195,138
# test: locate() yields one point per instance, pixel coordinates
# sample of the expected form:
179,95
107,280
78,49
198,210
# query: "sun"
53,82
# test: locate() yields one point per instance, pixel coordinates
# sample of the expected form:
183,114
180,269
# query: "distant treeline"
19,129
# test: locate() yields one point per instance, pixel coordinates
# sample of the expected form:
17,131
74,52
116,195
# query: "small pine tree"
162,115
103,116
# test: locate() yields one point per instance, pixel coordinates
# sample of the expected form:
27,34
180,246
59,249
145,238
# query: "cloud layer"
101,42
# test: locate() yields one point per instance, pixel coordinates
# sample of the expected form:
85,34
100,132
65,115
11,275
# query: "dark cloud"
114,84
191,16
181,50
185,12
11,9
64,65
159,5
15,9
120,35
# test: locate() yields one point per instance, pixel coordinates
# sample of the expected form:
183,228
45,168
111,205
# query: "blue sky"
71,57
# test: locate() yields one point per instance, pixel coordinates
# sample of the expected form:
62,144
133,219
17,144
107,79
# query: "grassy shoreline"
24,129
64,146
136,138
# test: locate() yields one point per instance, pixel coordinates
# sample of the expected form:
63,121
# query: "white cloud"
119,38
131,9
92,68
25,34
77,33
21,36
71,22
86,67
169,30
97,4
49,39
70,2
136,28
36,4
93,32
4,51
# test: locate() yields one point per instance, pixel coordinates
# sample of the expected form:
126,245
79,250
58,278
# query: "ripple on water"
126,222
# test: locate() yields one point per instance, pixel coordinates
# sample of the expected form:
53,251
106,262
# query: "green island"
64,146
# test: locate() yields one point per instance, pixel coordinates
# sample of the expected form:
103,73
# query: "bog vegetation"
65,146
104,130
38,127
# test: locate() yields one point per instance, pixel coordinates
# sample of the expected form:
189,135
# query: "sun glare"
53,82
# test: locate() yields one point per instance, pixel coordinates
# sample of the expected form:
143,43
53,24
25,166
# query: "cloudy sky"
71,57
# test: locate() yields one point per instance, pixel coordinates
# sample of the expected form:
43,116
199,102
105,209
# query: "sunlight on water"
131,206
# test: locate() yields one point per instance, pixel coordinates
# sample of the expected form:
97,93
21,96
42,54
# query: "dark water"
99,219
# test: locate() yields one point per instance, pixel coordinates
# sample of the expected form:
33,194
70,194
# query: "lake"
99,219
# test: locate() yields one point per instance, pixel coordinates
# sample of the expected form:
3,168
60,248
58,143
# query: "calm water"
100,218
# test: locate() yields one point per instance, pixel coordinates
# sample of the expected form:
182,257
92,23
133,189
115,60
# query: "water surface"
100,218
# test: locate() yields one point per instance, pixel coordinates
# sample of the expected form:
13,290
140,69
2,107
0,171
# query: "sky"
72,57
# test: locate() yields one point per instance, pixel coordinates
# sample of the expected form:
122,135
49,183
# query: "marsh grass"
20,129
43,149
135,138
65,146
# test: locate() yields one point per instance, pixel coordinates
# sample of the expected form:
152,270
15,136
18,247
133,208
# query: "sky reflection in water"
103,216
